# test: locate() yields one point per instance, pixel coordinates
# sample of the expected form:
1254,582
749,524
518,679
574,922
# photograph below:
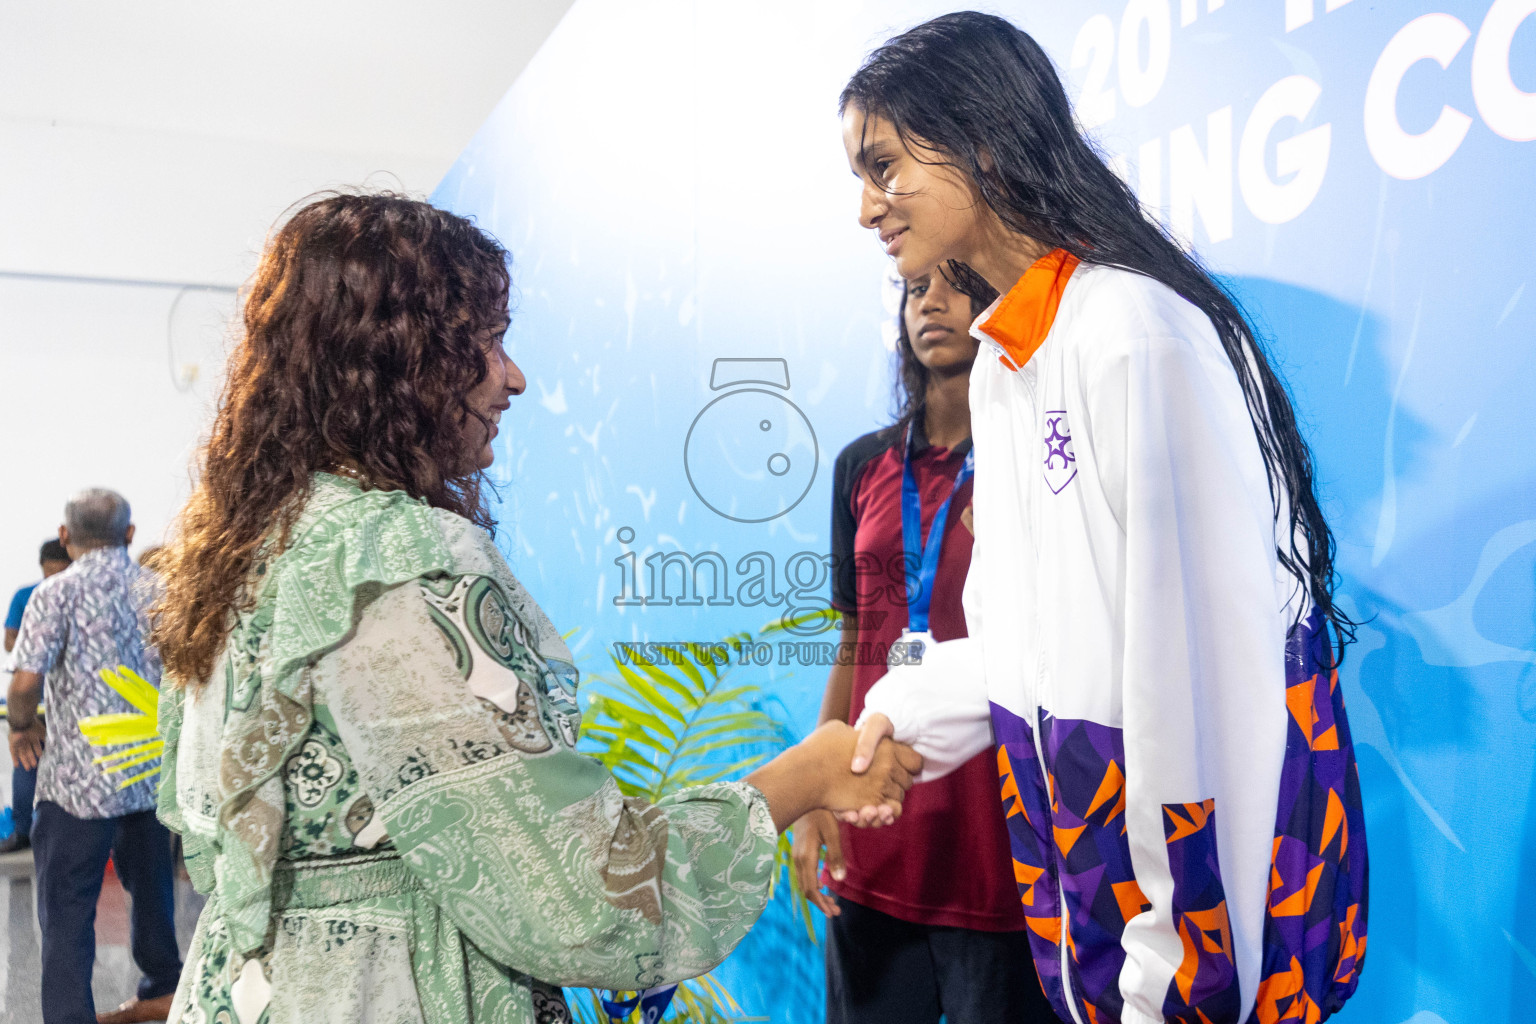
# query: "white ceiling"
152,139
396,76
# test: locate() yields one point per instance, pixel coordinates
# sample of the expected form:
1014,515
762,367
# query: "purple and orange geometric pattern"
1073,850
1204,989
1078,848
1028,817
1314,934
1087,771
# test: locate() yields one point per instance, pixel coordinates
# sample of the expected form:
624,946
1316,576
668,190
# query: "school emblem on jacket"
1060,460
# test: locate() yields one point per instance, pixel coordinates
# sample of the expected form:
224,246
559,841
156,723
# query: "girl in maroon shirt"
924,916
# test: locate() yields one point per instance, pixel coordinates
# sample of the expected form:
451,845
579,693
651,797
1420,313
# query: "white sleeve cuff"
939,706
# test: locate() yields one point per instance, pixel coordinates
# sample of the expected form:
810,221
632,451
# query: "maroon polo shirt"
946,861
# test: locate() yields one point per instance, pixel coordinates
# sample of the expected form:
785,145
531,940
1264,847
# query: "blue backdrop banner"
704,326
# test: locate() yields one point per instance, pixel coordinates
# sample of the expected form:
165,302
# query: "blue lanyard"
925,555
652,1002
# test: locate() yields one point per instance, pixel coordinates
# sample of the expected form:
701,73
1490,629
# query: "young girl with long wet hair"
910,937
1150,603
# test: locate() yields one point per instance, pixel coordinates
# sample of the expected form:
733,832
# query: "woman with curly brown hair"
370,725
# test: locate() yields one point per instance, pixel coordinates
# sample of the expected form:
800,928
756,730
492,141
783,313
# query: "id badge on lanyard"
915,638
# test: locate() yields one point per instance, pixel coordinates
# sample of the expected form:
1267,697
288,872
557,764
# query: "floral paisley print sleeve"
426,845
527,846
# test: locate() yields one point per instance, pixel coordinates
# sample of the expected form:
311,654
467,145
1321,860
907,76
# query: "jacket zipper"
1061,891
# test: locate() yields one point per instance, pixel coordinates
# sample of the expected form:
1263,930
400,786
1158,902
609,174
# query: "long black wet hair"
969,84
909,389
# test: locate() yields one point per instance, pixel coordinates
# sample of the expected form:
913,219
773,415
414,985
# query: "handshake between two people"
818,774
934,712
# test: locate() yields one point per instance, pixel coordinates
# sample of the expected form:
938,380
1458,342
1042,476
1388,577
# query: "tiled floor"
116,977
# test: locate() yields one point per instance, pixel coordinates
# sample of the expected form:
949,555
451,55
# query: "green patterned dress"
378,791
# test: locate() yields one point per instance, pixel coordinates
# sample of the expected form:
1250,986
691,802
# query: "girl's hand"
885,774
816,830
873,732
817,773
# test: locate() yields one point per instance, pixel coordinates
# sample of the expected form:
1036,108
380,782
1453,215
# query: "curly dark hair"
366,325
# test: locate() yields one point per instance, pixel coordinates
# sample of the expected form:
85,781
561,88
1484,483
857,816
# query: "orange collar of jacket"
1020,320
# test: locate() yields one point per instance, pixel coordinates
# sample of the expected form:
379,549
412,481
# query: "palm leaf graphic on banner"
137,731
685,718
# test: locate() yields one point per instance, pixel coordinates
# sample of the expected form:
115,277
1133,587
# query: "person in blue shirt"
53,559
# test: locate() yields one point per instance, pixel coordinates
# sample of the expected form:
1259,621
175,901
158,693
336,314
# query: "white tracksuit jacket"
1150,706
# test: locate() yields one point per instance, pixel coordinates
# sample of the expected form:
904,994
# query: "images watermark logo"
798,586
804,653
750,454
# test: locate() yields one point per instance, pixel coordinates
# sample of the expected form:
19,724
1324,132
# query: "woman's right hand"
817,772
816,830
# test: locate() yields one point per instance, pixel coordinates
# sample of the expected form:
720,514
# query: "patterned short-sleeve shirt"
90,617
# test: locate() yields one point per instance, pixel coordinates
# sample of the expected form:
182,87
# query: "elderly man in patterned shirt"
85,620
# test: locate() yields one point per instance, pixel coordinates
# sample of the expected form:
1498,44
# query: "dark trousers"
70,856
883,969
23,785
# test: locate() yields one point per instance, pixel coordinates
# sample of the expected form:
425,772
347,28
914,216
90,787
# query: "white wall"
143,204
146,148
158,139
91,399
